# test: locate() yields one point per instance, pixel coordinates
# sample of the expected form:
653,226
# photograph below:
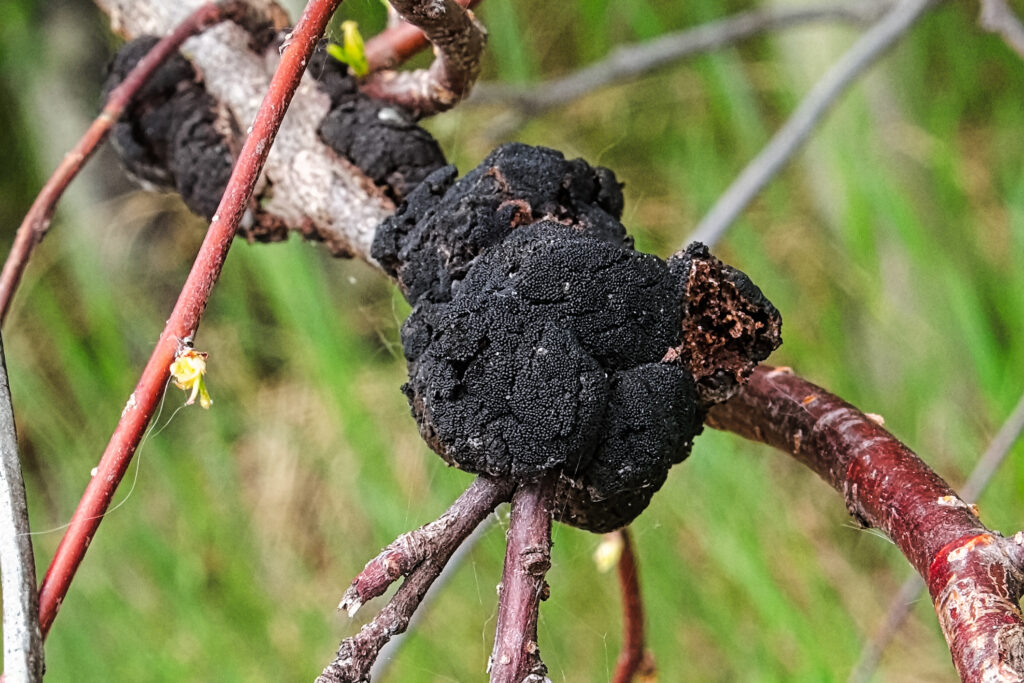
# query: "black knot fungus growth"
540,340
430,243
168,136
382,139
173,136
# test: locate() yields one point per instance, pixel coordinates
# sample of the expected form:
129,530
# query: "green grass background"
893,245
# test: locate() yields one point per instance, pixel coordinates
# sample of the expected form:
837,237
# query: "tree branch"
397,43
516,655
826,92
634,660
440,537
23,640
631,61
997,17
188,310
458,40
37,221
986,467
975,576
419,555
305,185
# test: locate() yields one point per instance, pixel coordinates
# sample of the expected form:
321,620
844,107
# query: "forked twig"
458,41
420,556
184,319
37,221
397,43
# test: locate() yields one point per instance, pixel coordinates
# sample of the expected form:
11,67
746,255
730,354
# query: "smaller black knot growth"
540,340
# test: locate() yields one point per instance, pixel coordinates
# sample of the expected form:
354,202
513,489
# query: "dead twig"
632,61
399,41
37,221
875,42
443,535
184,319
634,660
458,41
975,576
516,654
420,556
23,640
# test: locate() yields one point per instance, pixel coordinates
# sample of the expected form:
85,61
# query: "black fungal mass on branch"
382,139
167,138
171,136
540,340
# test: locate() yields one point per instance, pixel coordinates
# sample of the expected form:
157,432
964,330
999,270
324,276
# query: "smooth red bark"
633,660
974,575
184,319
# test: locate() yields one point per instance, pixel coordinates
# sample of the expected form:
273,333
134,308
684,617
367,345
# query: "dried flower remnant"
188,371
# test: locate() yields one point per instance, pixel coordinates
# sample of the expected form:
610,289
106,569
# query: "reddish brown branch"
188,310
396,44
440,537
516,655
37,221
458,40
420,555
634,660
975,576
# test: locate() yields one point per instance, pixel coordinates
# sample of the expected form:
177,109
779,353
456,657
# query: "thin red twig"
634,660
516,655
396,44
975,576
188,310
37,221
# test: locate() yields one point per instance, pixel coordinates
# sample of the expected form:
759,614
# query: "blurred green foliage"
894,247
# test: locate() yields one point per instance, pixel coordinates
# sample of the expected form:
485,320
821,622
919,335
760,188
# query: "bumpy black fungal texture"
381,139
430,243
540,340
167,137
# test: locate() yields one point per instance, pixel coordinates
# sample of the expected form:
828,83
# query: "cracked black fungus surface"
541,340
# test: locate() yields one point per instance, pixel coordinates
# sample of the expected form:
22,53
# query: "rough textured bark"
421,555
442,535
516,654
458,43
974,575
